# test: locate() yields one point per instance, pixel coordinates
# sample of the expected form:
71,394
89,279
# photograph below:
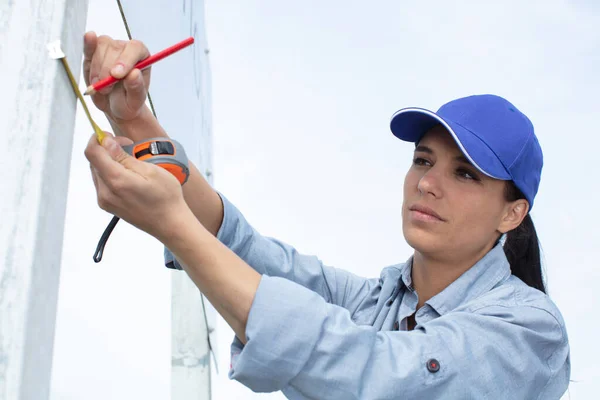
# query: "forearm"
225,279
202,199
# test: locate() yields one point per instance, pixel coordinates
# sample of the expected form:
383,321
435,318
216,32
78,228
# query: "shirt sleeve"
273,257
310,349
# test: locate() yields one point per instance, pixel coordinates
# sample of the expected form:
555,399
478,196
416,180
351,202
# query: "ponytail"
522,247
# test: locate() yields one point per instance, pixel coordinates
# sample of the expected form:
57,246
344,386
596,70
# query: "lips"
426,210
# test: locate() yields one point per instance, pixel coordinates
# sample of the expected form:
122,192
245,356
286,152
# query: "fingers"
117,169
94,176
114,49
104,56
98,59
116,152
108,170
104,196
133,52
130,188
90,43
136,89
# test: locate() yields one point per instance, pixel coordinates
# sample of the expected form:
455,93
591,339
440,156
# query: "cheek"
475,218
411,181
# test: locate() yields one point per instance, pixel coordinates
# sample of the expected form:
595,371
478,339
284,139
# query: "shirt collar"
406,274
492,269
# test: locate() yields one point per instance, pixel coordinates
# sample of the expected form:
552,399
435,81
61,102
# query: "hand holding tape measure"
163,152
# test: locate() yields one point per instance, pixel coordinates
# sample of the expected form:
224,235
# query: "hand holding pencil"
108,61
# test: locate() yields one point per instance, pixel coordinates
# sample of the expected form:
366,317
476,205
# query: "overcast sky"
302,93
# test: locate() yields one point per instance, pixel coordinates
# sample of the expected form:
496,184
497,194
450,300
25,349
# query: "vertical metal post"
37,119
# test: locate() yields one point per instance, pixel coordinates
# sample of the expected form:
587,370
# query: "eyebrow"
424,149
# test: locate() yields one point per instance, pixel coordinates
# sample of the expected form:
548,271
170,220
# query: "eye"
467,174
421,161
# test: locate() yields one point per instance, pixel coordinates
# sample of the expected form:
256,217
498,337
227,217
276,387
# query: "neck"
431,274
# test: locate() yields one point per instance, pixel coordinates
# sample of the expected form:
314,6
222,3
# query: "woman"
466,316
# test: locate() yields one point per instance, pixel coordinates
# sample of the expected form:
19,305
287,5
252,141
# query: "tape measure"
164,152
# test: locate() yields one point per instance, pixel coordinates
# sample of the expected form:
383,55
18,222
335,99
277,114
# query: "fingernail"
118,69
95,79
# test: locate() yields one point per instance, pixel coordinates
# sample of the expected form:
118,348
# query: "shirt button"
396,325
433,365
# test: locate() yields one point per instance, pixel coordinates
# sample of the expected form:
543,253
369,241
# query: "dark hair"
522,247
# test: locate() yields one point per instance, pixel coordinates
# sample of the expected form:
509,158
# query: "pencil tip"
89,90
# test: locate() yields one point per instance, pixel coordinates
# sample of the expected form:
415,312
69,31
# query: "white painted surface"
37,118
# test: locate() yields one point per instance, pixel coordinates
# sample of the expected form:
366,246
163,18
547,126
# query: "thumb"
116,152
135,88
90,43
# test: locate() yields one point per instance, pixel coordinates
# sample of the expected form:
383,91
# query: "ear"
514,213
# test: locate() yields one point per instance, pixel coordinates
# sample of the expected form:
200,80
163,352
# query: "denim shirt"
318,332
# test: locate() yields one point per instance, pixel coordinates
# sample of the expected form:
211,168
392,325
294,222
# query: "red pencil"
92,89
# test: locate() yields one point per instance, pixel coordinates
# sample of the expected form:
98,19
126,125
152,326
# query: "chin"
422,240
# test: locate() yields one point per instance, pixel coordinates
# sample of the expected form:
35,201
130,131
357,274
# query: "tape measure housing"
164,152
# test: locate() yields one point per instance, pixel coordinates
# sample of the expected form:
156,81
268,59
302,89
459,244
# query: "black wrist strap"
104,239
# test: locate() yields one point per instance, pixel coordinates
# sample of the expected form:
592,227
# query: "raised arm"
294,340
272,257
309,349
124,106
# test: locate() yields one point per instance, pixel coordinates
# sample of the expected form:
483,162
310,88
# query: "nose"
430,183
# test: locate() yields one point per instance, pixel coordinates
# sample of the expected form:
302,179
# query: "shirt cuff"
283,328
226,232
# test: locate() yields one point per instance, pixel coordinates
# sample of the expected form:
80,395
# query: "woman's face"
451,209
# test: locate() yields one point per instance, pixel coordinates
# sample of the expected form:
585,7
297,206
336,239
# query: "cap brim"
410,124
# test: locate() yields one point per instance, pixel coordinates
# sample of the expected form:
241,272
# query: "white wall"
36,120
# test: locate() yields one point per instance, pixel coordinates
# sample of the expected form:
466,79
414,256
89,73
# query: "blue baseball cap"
497,138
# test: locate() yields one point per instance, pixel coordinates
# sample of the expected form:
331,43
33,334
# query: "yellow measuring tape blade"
99,132
57,54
